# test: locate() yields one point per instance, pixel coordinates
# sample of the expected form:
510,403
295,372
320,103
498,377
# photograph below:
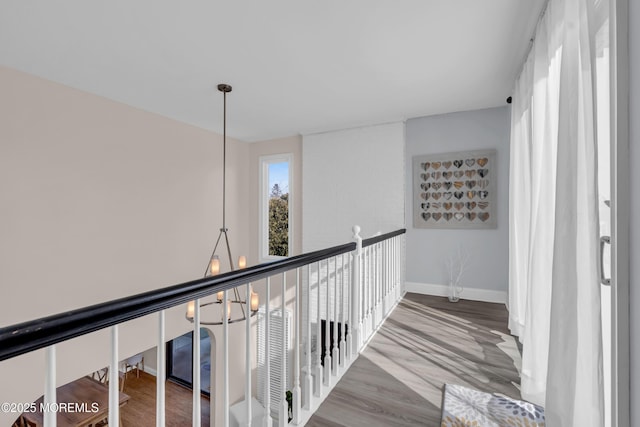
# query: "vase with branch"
456,267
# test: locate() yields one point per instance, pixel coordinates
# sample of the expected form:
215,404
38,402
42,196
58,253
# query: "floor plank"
141,409
426,342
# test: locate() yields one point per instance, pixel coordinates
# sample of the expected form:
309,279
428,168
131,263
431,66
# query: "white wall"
428,250
634,282
100,200
353,176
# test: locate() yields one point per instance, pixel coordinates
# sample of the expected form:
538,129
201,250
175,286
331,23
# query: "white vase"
454,292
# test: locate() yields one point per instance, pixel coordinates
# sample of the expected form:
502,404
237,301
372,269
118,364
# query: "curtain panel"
554,291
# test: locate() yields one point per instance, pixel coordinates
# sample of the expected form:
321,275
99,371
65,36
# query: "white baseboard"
150,371
474,294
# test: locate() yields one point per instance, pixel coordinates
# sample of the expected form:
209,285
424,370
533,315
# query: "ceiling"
296,66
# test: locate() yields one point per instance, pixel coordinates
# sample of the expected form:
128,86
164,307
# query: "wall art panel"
455,190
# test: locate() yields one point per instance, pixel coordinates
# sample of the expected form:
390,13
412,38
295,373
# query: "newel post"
356,285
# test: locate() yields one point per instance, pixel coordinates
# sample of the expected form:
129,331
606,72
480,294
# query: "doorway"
180,361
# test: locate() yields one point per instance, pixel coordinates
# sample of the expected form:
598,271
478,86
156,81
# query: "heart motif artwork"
455,190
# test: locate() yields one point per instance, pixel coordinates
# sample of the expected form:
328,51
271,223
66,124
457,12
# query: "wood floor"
426,342
140,411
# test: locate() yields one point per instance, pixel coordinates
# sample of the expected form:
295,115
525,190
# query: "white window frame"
263,208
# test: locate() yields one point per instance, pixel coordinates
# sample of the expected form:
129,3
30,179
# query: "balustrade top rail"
22,338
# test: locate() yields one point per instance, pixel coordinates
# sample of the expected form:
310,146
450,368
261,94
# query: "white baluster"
283,413
225,361
334,353
396,267
50,417
267,421
401,263
370,286
327,339
385,267
367,290
365,295
161,373
308,381
196,418
342,326
247,376
376,286
356,295
318,370
297,398
114,377
394,271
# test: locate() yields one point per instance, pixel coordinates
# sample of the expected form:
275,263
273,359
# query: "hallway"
426,342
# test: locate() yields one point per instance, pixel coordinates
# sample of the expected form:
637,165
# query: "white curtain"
554,299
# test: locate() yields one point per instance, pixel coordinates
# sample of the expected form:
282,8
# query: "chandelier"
237,309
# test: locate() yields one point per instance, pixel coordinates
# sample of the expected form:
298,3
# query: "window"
275,206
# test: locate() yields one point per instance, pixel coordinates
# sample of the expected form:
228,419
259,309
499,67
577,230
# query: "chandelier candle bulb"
215,266
254,301
242,262
191,308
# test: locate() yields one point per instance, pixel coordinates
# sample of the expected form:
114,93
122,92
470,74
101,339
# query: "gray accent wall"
634,140
428,250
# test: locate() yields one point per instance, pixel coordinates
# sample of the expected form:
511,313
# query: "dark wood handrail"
377,239
32,335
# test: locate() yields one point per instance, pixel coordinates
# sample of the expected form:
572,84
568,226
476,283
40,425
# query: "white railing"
329,305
